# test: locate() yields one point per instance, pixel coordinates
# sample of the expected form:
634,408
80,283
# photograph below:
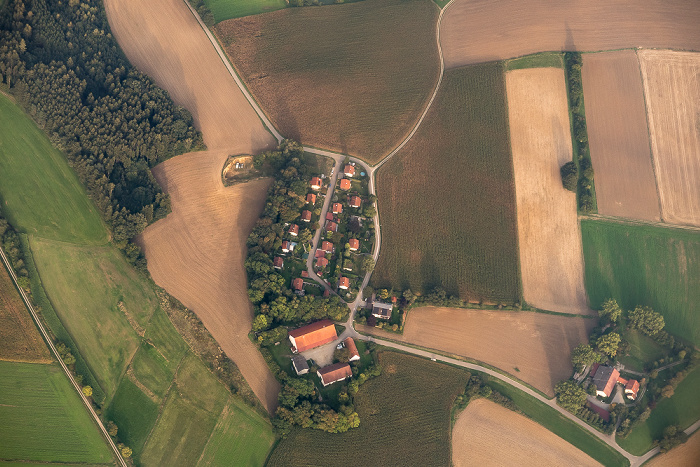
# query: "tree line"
64,67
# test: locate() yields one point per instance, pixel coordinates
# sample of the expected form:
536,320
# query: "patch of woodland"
64,67
477,387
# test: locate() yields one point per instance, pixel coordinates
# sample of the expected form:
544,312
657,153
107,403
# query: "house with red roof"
604,379
286,246
327,246
316,183
337,208
304,273
632,389
331,226
298,284
311,198
333,373
354,244
321,262
330,216
349,170
294,230
344,283
355,202
354,355
320,253
345,184
278,262
306,215
312,335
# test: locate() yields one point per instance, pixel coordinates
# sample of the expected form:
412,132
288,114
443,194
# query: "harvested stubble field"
164,40
447,199
485,428
618,136
533,347
352,78
475,31
405,420
685,454
672,91
551,261
197,253
20,340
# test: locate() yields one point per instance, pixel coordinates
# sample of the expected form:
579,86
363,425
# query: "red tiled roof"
355,201
337,208
345,184
298,283
327,246
605,379
304,273
285,245
349,170
354,243
332,226
313,335
326,293
336,372
321,262
316,182
294,229
278,262
344,283
352,348
633,386
311,198
306,215
320,253
329,216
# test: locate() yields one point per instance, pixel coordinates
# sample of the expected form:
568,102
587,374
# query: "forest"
63,66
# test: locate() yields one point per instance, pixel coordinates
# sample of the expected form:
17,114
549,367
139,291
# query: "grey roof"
602,376
382,309
299,363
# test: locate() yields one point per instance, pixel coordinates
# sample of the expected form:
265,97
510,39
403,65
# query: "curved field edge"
326,86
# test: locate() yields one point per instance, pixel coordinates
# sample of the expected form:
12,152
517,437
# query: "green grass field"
152,370
539,60
644,265
42,419
447,199
227,9
352,78
561,426
683,409
40,192
405,420
643,350
134,413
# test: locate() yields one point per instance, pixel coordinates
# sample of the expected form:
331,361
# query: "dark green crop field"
447,199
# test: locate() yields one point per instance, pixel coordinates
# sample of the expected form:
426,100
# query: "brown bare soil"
486,433
672,91
475,31
164,40
534,347
618,135
551,258
687,453
197,254
20,340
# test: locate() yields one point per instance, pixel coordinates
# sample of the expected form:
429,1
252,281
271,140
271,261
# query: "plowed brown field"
164,40
618,136
475,31
197,254
534,347
672,89
551,260
486,433
687,454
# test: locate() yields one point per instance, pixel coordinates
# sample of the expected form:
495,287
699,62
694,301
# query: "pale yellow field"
672,91
475,31
551,259
487,434
618,135
687,454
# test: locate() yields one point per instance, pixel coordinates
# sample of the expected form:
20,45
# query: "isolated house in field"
355,202
286,246
306,215
349,170
294,230
354,244
333,373
278,262
331,226
316,183
382,310
337,208
311,198
353,354
312,335
632,389
321,263
345,184
344,283
298,284
604,379
327,246
300,365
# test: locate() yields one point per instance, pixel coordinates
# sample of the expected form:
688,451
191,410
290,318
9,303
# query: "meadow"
447,199
538,60
645,265
227,9
322,83
405,418
44,420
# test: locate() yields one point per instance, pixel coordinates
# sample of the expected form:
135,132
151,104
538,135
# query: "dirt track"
163,39
197,254
618,135
672,89
475,31
487,434
551,259
537,344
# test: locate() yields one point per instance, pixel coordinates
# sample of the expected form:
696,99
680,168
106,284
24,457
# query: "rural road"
49,343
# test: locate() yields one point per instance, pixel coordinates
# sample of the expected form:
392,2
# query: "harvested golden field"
486,433
551,261
20,340
352,78
686,454
164,40
672,91
197,254
618,136
475,31
534,347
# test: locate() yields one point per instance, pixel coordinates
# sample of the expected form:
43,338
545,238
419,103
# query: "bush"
569,176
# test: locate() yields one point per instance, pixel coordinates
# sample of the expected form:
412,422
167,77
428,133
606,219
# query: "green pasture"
42,419
538,60
643,350
561,426
151,369
645,265
40,193
227,9
682,409
134,413
162,334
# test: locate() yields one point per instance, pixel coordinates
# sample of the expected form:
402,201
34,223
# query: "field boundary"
53,350
638,222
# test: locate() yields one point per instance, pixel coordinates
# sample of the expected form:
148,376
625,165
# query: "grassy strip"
228,9
562,426
538,60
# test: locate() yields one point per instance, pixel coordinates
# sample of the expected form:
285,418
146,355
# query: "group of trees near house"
66,70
